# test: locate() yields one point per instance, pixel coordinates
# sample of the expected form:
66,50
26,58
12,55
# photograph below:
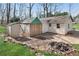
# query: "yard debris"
50,46
63,48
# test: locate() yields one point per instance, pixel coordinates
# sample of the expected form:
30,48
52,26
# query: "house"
35,26
57,24
29,27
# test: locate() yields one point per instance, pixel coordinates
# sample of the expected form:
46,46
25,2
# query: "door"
35,29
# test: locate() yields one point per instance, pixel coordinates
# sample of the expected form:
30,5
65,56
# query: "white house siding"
64,28
52,28
15,30
61,30
26,29
45,26
68,27
9,30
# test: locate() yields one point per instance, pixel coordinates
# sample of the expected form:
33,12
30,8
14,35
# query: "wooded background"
12,12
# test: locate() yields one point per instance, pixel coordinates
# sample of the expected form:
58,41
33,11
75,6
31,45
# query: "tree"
60,14
14,15
50,9
30,9
55,8
20,10
38,11
45,9
2,11
8,12
16,19
23,9
70,9
25,12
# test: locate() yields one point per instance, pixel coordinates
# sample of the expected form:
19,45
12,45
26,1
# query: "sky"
63,7
74,8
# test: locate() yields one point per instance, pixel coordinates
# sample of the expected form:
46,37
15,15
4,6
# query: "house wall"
68,27
16,30
26,29
45,26
9,30
62,30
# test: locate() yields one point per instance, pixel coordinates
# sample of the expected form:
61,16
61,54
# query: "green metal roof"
36,21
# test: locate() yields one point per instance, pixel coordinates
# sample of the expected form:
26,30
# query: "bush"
16,19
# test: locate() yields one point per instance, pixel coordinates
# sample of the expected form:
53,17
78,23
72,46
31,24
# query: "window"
49,24
58,25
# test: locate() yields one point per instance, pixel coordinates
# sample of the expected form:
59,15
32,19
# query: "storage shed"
36,27
27,28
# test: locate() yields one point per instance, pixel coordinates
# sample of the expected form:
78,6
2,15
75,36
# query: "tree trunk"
8,13
50,10
69,9
55,6
30,7
2,19
44,12
14,15
46,9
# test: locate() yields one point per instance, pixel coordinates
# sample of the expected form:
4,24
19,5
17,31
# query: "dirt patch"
22,39
44,36
40,37
73,34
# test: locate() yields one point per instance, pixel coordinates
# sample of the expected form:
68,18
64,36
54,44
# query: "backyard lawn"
2,29
14,49
75,26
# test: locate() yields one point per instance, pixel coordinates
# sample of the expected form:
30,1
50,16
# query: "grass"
14,49
76,46
75,26
2,29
